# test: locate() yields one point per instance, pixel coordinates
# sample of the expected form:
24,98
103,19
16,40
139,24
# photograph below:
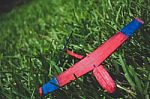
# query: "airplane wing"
104,79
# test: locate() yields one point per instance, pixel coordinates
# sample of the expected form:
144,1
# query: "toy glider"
92,62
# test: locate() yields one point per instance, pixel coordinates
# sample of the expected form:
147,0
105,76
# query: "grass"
33,35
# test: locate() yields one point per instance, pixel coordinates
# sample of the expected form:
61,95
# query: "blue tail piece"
50,86
130,28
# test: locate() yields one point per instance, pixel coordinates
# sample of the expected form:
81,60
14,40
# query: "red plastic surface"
40,91
74,54
104,79
91,60
139,20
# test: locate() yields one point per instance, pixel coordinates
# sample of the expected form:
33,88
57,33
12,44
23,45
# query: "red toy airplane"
92,62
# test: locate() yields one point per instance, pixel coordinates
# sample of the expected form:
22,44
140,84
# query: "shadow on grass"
8,5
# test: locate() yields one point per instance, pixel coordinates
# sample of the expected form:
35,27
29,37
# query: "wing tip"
139,20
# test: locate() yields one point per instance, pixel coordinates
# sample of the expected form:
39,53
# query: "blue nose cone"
50,86
130,28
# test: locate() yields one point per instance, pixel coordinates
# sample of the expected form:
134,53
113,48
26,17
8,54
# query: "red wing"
74,54
104,79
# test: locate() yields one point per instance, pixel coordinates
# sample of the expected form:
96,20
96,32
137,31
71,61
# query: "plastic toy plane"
92,62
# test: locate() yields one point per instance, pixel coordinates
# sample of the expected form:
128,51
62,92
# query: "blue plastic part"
50,86
130,28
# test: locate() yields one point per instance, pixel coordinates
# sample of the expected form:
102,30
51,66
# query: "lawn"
32,39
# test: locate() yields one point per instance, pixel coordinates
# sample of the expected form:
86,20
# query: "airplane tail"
104,79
